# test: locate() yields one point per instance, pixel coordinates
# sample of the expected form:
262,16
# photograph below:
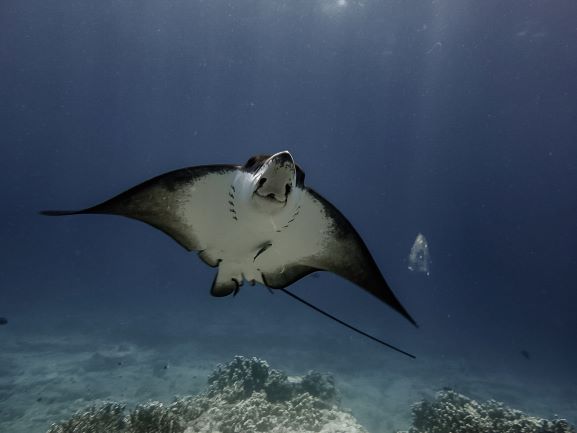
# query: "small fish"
419,257
525,354
3,320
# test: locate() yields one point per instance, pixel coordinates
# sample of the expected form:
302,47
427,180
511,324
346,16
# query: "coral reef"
243,396
452,412
242,377
109,417
247,396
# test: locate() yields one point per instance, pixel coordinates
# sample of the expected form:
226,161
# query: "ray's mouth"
271,197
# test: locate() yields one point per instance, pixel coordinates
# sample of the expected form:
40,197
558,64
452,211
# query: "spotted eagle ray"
257,223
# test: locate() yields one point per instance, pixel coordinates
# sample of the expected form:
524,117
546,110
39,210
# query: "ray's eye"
287,189
261,181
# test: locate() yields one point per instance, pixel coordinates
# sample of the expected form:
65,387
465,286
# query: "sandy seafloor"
53,364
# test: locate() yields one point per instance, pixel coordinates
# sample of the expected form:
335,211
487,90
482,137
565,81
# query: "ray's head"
274,179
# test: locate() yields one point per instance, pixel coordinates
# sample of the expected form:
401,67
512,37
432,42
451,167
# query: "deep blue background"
453,118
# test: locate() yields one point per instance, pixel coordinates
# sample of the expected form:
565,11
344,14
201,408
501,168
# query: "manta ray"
255,223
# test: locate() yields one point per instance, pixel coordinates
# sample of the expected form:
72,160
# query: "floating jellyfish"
419,259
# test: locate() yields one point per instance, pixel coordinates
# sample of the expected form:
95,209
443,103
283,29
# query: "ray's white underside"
230,229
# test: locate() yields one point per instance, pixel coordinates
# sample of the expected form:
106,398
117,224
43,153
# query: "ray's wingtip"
407,316
56,212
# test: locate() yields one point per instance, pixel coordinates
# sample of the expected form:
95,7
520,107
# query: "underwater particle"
419,257
436,46
160,370
3,321
104,362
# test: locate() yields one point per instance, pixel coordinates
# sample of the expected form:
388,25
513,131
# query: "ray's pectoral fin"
164,201
287,275
226,282
345,253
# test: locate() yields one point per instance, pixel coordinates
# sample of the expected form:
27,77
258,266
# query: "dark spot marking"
254,163
3,321
262,249
237,288
230,203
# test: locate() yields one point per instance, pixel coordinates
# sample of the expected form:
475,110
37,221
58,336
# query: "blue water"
455,119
